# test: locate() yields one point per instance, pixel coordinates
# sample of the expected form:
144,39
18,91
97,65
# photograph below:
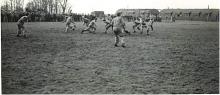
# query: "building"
144,13
190,14
99,14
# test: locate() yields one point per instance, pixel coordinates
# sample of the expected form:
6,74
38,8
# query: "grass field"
180,57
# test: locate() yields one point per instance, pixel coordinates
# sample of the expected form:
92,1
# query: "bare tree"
5,7
56,6
51,5
69,10
19,5
11,4
45,5
37,4
16,5
63,4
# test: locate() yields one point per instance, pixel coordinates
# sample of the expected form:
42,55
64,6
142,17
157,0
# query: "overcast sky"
110,6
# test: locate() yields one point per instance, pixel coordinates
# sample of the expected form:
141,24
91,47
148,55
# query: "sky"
111,6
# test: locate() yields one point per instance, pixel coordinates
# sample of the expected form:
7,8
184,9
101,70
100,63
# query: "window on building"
190,13
200,14
171,13
180,14
210,14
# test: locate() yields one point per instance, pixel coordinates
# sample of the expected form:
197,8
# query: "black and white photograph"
109,47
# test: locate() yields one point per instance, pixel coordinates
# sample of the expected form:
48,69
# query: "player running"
91,27
136,24
70,24
107,22
139,24
85,21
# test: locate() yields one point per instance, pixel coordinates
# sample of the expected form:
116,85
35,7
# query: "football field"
180,57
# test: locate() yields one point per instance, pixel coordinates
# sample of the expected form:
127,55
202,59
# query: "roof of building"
153,11
98,11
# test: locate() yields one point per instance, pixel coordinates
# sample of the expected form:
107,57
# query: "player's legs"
116,32
92,29
107,27
67,27
106,24
152,28
126,31
116,40
118,36
73,27
122,41
23,32
138,27
121,37
87,24
86,29
134,26
111,26
18,33
147,32
19,30
148,28
141,28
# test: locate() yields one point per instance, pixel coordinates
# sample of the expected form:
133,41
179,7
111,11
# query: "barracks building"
130,14
190,14
168,14
99,14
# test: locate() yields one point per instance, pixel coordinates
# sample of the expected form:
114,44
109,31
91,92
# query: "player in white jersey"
21,28
150,26
85,21
139,24
70,24
142,25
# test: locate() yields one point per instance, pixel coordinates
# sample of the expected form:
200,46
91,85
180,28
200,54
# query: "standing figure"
70,24
150,26
142,24
107,22
118,29
21,28
85,21
136,25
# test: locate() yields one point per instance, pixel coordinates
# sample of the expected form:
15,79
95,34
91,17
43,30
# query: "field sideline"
180,57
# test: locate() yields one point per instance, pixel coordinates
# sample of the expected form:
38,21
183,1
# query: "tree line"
39,10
